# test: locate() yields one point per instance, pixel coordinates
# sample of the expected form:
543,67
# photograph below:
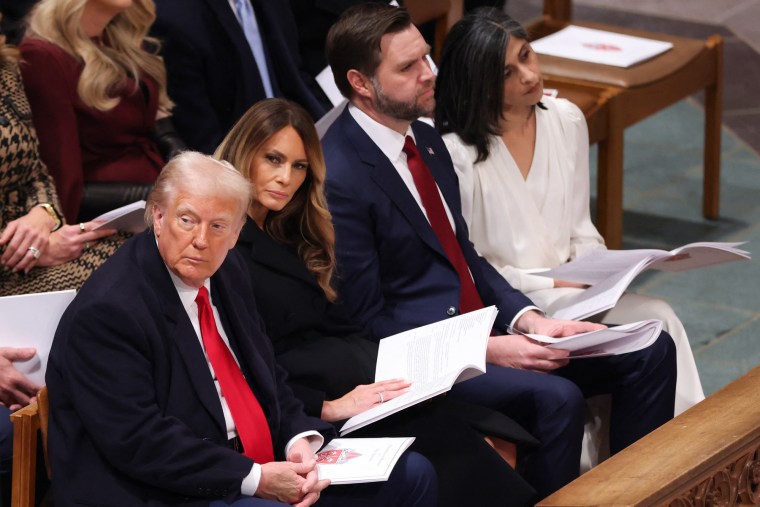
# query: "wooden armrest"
26,423
709,455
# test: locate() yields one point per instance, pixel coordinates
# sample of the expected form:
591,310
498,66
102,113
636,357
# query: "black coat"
135,418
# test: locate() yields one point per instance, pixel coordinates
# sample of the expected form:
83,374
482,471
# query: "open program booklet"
606,342
433,358
610,272
355,460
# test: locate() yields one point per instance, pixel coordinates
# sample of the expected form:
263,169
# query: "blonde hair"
305,221
106,66
200,175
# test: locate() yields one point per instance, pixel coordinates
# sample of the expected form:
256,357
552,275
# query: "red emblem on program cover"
336,456
599,46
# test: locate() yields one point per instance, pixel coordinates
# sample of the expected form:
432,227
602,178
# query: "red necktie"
250,422
469,299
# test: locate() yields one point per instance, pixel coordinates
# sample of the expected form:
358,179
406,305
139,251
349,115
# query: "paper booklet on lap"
610,272
30,320
433,358
599,46
129,218
356,460
606,342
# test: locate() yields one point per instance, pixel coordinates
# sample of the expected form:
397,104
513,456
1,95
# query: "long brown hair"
305,221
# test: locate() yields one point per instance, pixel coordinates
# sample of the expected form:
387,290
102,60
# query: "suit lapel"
182,333
387,178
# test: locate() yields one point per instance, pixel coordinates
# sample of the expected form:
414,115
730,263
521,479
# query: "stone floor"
720,306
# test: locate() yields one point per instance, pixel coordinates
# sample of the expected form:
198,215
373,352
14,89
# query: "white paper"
433,358
329,118
606,342
30,320
357,460
610,272
598,265
129,218
599,46
326,81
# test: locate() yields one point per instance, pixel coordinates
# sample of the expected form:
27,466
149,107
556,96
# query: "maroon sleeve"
50,80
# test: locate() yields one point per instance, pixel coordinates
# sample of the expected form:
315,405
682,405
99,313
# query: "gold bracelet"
50,210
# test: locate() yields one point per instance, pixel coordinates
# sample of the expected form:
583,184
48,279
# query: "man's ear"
360,83
157,219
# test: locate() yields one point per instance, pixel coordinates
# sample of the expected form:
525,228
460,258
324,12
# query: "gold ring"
81,227
35,252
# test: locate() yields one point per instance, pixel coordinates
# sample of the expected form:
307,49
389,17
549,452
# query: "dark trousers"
552,406
469,471
411,484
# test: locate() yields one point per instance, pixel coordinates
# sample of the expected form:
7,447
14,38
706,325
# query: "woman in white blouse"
522,162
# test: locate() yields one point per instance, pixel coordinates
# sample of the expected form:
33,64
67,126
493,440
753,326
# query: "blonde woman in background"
97,89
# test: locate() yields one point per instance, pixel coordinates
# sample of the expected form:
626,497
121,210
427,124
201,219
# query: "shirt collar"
390,142
187,294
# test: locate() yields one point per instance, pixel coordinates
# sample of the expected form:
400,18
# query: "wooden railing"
707,456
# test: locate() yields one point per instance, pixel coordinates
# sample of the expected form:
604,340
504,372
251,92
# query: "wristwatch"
50,210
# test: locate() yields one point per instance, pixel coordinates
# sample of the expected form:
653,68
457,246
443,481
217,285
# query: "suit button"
451,311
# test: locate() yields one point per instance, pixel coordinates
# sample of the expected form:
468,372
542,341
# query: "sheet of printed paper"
599,46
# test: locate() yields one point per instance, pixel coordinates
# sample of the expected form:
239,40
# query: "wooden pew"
707,456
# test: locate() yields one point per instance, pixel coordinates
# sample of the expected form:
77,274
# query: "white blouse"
521,225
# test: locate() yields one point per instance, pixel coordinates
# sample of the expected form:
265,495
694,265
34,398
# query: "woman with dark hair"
522,163
287,243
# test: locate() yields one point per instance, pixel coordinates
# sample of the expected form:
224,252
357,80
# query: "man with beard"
405,260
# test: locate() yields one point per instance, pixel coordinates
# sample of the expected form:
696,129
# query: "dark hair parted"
469,90
304,222
353,42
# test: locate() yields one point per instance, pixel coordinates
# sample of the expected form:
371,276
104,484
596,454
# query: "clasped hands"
294,481
520,352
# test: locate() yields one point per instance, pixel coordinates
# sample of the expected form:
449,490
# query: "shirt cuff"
251,481
315,439
520,314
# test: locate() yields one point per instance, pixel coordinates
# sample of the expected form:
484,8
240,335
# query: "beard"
408,111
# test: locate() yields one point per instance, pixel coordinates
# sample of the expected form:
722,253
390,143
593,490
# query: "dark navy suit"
135,416
212,74
393,275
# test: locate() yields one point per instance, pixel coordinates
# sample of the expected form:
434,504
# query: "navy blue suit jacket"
212,74
135,417
393,273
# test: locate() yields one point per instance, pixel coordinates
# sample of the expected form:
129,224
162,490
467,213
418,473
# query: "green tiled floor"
719,306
